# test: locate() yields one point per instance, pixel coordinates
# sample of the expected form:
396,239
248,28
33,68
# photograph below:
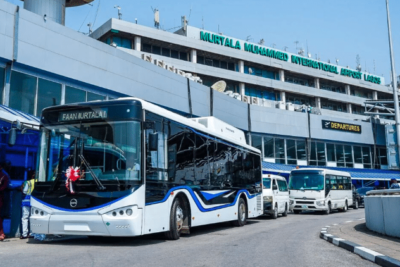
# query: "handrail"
384,192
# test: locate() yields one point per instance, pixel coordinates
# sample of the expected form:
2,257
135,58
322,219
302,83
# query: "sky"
327,29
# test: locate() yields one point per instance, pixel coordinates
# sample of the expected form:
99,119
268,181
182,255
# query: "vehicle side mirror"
12,137
153,141
274,187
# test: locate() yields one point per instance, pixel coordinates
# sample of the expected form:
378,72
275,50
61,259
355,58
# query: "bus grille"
259,202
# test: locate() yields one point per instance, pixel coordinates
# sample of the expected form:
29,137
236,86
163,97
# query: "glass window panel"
49,94
348,155
126,43
22,92
146,48
156,50
174,54
292,162
366,155
280,161
200,60
279,148
382,156
93,97
357,154
224,64
291,150
312,151
231,66
256,141
2,74
321,152
117,41
73,95
166,52
301,150
339,156
269,147
313,163
330,152
183,55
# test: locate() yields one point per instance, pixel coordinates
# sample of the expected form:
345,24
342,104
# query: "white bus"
142,170
319,190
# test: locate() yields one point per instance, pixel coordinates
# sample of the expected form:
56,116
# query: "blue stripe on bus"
198,202
82,210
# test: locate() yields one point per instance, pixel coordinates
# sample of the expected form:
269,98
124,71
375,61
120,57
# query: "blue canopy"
361,174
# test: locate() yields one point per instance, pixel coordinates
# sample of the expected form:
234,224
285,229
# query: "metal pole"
394,83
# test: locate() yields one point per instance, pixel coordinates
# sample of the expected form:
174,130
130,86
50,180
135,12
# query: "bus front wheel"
176,220
242,213
329,210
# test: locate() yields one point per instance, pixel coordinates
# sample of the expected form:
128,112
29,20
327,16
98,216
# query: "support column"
138,43
241,66
193,55
283,97
347,89
375,97
282,75
318,102
316,83
6,91
242,89
349,108
62,102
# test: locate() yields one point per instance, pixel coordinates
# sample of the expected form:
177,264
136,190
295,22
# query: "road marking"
335,241
361,219
366,253
349,221
323,229
323,232
327,226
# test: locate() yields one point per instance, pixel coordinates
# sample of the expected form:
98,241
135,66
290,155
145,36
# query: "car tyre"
274,215
286,211
176,220
355,206
242,214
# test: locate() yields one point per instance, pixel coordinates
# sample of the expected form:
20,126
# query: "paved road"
290,241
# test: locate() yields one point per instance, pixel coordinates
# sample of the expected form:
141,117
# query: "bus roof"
326,171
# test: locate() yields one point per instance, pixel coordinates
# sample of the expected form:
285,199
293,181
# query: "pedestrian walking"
27,188
4,181
394,184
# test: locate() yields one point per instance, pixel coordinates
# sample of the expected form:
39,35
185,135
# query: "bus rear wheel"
242,213
176,220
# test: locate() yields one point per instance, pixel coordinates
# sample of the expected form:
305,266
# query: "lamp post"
394,83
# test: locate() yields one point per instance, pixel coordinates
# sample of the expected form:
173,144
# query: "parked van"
275,195
320,190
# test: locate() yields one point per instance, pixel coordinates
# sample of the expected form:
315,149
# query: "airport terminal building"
43,63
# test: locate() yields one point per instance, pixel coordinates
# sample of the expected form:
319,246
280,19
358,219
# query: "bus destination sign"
338,126
81,115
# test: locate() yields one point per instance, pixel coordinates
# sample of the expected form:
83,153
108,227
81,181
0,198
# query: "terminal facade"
43,63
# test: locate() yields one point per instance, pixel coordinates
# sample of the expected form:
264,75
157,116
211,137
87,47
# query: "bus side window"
334,185
340,182
348,183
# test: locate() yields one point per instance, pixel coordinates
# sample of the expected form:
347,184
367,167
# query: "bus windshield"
306,181
112,151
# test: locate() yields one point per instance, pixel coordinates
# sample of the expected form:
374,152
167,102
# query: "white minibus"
275,195
319,190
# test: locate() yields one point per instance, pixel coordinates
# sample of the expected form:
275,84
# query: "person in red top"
4,181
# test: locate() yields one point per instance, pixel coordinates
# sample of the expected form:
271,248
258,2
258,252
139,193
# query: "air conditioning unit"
237,96
246,99
290,106
254,100
267,103
280,105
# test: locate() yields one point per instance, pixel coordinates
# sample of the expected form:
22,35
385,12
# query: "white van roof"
273,176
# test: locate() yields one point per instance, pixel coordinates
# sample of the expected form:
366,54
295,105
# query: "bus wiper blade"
95,178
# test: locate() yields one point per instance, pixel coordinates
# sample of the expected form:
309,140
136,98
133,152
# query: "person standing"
394,185
4,181
27,188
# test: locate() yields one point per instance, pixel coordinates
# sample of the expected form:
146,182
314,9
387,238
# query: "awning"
359,174
11,115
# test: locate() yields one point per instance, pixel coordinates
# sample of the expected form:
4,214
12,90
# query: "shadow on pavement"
362,227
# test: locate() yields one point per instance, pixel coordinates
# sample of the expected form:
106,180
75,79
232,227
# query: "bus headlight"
321,203
267,198
129,212
291,201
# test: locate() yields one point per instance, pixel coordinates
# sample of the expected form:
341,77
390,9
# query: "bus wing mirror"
153,141
12,137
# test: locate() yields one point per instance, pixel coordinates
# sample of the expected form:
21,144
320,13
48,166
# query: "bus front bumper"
308,205
73,223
